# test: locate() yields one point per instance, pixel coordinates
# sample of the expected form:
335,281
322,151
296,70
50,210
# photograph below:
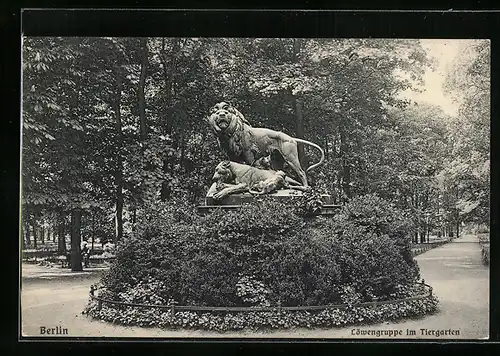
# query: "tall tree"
142,83
468,80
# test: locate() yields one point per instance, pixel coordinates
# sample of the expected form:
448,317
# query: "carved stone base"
235,201
238,199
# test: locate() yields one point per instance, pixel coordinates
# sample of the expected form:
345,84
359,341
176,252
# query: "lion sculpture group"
253,152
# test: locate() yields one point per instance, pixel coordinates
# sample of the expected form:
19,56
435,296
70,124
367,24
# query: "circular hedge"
265,254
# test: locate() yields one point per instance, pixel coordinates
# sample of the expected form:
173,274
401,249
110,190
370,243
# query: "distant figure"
85,254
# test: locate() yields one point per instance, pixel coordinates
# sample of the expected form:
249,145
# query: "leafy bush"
380,217
309,204
265,254
252,291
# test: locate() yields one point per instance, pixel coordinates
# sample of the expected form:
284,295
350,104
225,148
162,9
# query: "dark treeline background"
113,125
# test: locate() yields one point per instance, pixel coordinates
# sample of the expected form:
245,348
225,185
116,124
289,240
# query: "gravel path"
455,271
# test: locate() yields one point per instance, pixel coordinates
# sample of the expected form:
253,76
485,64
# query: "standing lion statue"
246,144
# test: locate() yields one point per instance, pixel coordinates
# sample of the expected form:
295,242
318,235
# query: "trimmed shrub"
382,218
265,254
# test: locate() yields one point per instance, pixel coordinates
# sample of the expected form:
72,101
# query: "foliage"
252,291
468,169
379,216
371,214
147,292
309,204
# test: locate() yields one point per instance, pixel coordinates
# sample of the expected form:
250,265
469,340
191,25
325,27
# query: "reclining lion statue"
270,185
246,144
233,177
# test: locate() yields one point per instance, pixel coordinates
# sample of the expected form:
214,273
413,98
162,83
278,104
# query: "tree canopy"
113,125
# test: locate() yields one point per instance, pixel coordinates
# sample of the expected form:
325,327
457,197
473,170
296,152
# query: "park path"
454,270
33,271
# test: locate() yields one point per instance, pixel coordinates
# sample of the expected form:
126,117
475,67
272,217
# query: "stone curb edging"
268,319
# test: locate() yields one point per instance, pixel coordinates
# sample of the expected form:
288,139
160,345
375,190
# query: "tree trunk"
166,191
346,171
421,230
297,46
27,234
142,83
76,257
181,159
169,91
168,76
119,164
297,104
327,147
119,205
93,231
23,242
148,166
34,235
134,219
42,235
61,237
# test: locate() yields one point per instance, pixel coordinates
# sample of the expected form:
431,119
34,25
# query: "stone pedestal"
235,201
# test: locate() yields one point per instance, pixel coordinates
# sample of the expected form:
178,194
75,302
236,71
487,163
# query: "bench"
99,259
65,261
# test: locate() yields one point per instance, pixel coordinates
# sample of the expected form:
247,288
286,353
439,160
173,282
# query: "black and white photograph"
245,187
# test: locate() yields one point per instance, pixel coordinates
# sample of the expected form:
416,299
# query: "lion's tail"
316,146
